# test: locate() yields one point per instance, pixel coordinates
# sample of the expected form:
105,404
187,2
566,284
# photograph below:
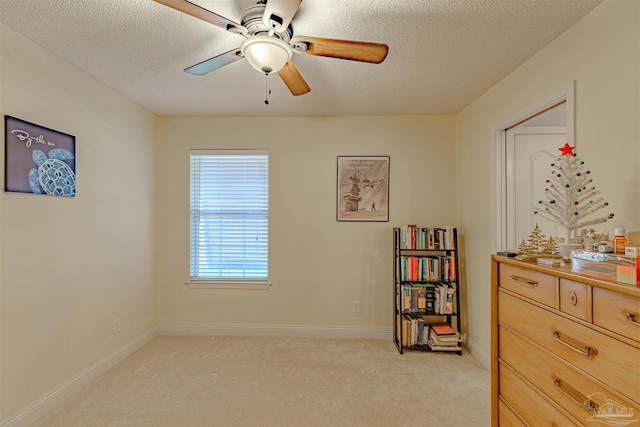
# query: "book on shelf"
445,301
428,297
435,347
443,329
427,268
413,331
430,290
414,237
422,299
450,304
405,331
421,335
453,339
417,297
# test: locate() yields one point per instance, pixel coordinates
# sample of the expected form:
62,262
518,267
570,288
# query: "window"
229,216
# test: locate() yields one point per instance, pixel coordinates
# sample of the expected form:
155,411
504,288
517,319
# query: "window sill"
228,284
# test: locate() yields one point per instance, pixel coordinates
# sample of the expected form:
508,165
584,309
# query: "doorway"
530,149
524,146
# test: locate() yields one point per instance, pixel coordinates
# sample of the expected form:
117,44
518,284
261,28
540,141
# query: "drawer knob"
573,394
574,345
524,280
573,298
631,317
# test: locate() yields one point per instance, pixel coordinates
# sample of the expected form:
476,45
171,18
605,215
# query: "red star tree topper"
571,196
567,150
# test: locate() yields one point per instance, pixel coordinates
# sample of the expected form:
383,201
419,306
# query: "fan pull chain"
267,89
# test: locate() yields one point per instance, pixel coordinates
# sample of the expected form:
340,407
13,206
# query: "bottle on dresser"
619,241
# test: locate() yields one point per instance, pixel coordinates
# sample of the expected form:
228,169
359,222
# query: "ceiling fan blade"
214,63
279,13
293,79
204,14
343,49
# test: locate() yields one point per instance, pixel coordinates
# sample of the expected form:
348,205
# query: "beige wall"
601,53
70,266
317,266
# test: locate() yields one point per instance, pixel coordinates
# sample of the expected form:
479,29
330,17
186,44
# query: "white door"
557,109
529,154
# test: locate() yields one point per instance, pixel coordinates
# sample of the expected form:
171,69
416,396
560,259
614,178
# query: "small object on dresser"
632,251
619,241
628,274
551,262
596,245
508,254
629,271
530,257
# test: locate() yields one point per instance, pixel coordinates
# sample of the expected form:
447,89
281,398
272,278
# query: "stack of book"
443,337
428,297
417,298
416,237
445,299
428,268
413,329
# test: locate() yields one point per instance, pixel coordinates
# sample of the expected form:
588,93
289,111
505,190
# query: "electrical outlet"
116,325
356,306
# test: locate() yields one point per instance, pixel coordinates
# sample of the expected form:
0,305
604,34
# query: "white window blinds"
229,214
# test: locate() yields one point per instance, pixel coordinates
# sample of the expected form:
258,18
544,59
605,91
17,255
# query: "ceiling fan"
270,43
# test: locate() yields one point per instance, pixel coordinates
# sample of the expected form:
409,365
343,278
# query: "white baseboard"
302,331
55,397
479,354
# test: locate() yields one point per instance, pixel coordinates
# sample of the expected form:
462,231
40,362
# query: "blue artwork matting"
38,160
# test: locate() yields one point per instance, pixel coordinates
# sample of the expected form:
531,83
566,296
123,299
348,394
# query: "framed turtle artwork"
38,160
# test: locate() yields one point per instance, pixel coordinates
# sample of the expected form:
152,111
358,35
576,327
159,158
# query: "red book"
443,329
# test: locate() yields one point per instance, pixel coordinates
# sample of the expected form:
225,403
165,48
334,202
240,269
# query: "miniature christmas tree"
522,249
537,244
551,246
571,197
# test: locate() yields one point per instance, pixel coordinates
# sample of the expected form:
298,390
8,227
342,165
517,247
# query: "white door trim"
499,160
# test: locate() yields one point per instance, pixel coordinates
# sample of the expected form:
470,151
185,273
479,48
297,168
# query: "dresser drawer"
575,299
506,417
618,313
531,284
529,403
562,383
604,357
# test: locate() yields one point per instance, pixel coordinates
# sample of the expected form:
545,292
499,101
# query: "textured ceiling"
443,54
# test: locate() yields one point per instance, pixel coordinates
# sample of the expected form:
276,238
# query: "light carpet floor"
281,382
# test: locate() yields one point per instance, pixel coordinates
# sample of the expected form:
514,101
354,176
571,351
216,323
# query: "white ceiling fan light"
266,54
269,42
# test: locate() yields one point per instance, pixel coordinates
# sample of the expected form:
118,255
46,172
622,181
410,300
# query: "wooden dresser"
565,347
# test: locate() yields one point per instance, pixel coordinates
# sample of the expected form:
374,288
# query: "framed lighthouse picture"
363,188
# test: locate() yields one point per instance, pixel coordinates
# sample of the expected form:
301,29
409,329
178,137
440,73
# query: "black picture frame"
38,160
